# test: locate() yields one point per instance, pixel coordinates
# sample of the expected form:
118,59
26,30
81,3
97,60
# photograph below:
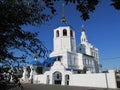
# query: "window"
71,33
64,32
57,33
57,76
59,58
80,49
67,77
39,70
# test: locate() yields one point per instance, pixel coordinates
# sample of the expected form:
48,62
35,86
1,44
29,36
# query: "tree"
14,14
84,6
84,70
116,4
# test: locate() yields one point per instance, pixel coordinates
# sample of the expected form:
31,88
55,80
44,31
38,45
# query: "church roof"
35,62
45,62
49,60
83,29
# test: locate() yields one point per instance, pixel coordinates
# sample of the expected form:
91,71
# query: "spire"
63,14
83,29
83,36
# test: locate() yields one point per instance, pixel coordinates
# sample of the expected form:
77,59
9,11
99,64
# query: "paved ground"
55,87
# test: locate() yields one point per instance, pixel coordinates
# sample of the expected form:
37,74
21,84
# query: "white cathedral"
68,63
72,57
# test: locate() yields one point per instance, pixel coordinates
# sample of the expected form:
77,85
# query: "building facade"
72,57
66,59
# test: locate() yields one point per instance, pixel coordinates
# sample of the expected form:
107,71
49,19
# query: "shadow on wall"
118,84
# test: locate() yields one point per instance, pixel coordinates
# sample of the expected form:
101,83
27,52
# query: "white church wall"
101,80
72,60
64,60
80,60
63,54
88,50
64,42
58,67
57,44
73,44
39,79
88,80
57,53
111,79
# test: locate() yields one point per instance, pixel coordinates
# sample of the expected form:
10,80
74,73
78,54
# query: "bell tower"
64,37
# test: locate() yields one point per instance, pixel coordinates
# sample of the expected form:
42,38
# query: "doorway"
57,77
67,79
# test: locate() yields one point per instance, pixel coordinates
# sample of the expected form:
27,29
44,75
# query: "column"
31,72
63,80
51,79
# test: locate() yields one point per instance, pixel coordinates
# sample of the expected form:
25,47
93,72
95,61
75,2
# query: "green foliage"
14,14
84,6
84,70
116,4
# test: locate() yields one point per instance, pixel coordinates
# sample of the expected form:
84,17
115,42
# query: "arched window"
59,58
71,33
57,33
64,32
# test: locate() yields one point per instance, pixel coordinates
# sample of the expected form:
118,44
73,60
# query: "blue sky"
102,30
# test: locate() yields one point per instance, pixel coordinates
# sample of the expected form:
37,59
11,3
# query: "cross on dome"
83,29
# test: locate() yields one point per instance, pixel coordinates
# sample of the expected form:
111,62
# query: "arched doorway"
57,77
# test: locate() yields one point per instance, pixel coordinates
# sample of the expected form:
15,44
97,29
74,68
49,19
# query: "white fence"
39,79
102,80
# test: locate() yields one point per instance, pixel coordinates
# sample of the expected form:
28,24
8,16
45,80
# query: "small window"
57,33
67,77
71,33
80,49
59,58
39,70
64,32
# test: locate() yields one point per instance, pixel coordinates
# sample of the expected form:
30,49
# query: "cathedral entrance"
57,77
